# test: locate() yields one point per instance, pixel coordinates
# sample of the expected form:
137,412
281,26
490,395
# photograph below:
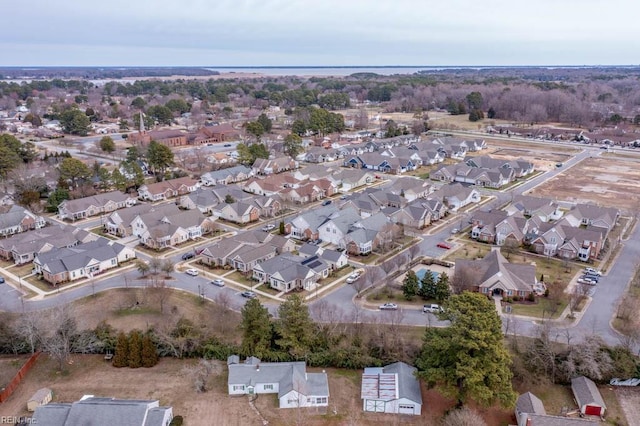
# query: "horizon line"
323,66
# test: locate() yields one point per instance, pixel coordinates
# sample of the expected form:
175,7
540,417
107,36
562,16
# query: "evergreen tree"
442,291
410,286
295,327
468,359
121,356
135,349
257,331
427,286
282,228
149,352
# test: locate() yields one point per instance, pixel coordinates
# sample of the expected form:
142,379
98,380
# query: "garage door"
405,409
592,410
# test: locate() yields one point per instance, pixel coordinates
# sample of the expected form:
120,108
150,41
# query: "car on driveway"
443,245
248,294
218,282
432,309
353,277
192,272
388,307
587,281
592,271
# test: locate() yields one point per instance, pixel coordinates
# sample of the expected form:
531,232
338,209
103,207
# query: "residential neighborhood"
366,248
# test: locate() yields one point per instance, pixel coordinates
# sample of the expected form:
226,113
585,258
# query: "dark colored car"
188,256
326,202
443,245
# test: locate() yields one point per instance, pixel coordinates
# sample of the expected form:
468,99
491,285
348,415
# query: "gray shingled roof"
289,376
586,392
529,403
408,384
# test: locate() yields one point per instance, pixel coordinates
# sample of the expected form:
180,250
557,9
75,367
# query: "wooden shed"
588,396
41,397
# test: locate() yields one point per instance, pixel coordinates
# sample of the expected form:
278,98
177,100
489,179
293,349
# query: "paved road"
339,304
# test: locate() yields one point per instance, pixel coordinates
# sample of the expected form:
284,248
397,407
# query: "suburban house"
287,272
382,163
410,188
86,260
167,189
363,204
392,389
295,387
238,212
119,222
202,199
92,410
165,228
530,411
306,225
15,219
483,225
455,196
22,248
336,259
494,275
417,214
566,241
588,397
338,225
263,166
544,208
350,179
168,138
484,171
82,208
235,251
594,217
226,176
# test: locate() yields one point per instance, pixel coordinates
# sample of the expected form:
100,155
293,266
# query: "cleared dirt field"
629,400
603,181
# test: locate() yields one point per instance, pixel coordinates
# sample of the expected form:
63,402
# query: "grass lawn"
150,251
343,272
543,309
100,231
237,276
265,287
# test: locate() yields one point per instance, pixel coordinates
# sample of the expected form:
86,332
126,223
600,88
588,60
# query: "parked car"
1,280
343,197
189,255
249,294
558,165
455,230
192,272
353,277
595,278
592,271
269,227
227,145
326,202
389,307
586,281
432,309
218,282
443,245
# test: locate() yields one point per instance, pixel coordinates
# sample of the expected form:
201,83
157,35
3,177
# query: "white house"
392,389
295,387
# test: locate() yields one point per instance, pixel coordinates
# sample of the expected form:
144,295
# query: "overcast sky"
319,32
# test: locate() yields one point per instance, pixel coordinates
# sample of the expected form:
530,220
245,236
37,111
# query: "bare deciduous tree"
57,338
464,416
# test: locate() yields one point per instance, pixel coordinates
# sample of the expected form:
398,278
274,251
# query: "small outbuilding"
41,397
392,389
588,396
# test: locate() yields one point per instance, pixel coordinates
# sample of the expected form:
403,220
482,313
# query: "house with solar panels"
393,389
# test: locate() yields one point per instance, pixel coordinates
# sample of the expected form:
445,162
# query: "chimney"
528,421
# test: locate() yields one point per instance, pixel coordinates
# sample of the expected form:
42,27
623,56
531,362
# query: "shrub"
531,297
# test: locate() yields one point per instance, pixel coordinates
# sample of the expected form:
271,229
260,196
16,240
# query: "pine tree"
427,286
135,349
296,328
282,229
121,357
149,352
442,291
257,330
410,286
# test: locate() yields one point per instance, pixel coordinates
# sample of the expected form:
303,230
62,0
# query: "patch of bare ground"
167,382
604,181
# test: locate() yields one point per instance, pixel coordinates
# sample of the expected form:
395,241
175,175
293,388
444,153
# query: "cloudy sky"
319,32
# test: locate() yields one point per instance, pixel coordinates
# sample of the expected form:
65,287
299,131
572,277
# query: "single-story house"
296,388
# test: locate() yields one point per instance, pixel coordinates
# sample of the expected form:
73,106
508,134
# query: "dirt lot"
9,366
605,181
